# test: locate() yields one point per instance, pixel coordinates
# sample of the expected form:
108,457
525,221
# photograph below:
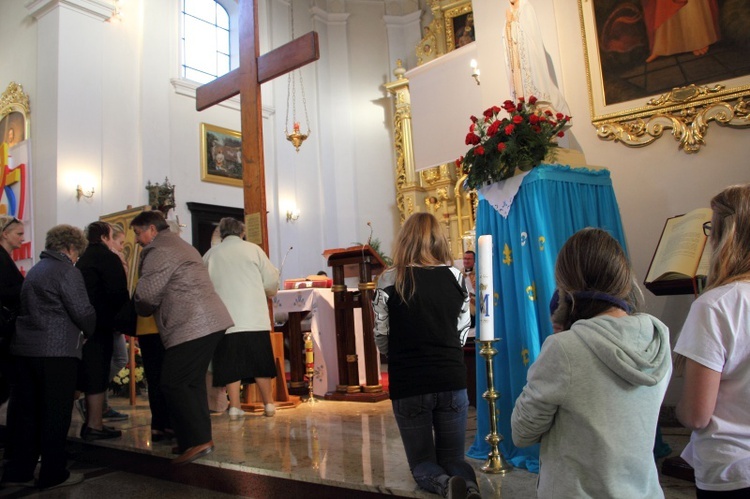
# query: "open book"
681,260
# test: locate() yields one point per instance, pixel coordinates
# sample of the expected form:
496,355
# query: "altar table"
319,301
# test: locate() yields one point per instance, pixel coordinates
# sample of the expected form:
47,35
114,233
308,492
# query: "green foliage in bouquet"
499,145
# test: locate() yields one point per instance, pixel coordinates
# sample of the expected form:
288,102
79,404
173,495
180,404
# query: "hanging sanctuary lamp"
296,137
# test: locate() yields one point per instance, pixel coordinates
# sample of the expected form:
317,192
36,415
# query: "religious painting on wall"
459,26
221,155
15,168
634,52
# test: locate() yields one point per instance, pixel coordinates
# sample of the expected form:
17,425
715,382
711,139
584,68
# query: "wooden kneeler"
253,401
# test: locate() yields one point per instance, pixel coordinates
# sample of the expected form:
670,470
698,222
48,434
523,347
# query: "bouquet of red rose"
521,139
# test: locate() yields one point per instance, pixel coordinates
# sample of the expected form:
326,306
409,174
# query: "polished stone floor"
341,444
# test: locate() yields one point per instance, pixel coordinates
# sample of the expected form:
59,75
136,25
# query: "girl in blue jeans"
421,321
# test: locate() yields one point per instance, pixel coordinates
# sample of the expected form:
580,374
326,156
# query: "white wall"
654,182
109,113
18,63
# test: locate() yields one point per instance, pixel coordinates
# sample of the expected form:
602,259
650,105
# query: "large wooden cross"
246,80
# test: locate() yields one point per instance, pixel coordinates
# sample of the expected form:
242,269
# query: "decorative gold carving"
689,124
465,200
687,111
439,38
14,99
683,94
431,175
365,286
449,14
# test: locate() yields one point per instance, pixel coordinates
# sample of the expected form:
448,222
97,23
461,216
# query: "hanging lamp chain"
296,137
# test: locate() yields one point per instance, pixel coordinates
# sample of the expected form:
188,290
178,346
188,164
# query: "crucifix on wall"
246,80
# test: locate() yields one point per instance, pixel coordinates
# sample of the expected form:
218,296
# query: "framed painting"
14,111
221,155
641,82
459,26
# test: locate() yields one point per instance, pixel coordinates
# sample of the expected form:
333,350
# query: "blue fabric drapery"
552,203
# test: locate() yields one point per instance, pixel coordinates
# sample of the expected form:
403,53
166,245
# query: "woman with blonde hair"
421,322
715,340
11,280
593,395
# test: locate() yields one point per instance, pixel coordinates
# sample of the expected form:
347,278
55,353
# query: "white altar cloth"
319,301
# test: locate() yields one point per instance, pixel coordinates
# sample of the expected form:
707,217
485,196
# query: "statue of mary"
526,59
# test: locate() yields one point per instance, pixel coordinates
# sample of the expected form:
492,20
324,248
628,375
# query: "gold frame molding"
439,38
207,176
686,111
15,100
463,9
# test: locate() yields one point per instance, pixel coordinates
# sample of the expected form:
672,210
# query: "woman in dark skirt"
244,278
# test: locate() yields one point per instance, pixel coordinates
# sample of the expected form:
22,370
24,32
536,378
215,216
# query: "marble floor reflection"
341,444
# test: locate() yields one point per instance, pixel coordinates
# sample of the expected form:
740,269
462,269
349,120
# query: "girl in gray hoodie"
593,395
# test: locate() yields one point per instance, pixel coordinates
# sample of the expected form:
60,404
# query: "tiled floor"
344,444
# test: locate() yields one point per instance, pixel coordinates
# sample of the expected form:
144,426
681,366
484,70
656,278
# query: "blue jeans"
435,457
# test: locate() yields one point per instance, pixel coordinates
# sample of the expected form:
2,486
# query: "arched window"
206,51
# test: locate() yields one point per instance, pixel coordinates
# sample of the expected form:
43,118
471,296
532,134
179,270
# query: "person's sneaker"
236,413
80,405
105,433
269,410
113,415
73,479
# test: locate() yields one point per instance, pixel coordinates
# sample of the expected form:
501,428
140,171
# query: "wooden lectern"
346,263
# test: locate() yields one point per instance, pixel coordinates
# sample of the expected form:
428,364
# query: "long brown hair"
420,243
593,274
730,236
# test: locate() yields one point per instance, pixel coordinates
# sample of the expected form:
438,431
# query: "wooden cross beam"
245,81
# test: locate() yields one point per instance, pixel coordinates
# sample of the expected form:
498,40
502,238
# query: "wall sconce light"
474,70
292,215
81,193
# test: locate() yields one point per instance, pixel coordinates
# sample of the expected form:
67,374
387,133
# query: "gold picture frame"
459,26
441,35
626,111
221,155
14,115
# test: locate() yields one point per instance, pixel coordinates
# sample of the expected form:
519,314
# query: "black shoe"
105,433
113,415
456,488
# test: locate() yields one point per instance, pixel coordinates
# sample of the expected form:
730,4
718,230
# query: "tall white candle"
485,291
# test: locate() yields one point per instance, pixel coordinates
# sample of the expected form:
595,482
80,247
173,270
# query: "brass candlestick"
495,463
309,367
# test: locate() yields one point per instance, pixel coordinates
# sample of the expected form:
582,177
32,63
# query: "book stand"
367,262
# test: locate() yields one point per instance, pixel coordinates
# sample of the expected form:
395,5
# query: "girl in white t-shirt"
715,340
